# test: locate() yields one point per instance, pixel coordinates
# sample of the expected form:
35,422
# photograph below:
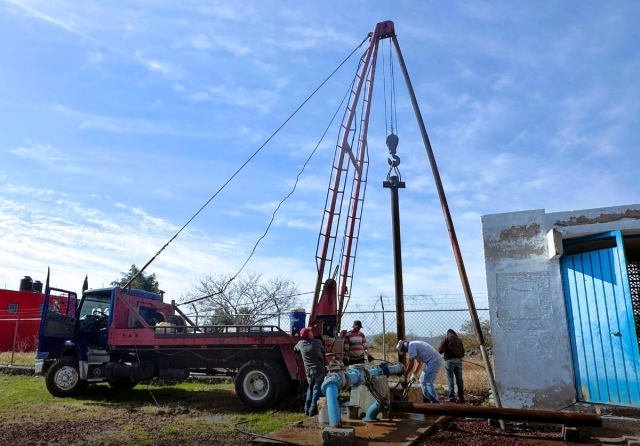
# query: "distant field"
18,358
474,377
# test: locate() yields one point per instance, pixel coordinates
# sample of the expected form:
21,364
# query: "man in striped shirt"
356,345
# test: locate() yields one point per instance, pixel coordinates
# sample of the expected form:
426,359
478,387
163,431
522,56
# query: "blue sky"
119,121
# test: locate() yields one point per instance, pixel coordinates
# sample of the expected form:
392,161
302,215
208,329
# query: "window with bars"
12,308
633,268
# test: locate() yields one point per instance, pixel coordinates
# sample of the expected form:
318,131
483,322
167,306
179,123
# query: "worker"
422,355
356,345
452,349
313,360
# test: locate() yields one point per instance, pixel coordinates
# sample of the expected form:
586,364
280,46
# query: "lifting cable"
394,107
255,246
384,88
390,115
245,163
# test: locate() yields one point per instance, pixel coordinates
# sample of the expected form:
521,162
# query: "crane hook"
392,144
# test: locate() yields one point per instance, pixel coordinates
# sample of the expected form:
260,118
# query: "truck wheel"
63,377
286,384
258,384
122,384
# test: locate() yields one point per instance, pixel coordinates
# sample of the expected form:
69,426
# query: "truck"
126,336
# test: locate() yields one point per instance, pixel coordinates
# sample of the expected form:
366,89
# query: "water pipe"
330,387
355,377
396,369
372,412
383,369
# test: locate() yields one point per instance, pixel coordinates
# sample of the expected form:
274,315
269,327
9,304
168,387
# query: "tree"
245,300
390,342
468,335
145,282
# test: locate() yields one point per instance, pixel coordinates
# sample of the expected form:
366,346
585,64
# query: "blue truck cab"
73,348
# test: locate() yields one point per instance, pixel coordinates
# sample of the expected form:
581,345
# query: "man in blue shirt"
420,353
313,359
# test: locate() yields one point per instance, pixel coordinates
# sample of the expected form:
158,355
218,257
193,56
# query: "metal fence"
419,323
20,335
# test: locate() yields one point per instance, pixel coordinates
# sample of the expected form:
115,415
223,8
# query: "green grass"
188,413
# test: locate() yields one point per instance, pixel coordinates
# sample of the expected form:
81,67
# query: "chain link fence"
20,335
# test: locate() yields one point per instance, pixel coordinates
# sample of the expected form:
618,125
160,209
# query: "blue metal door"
601,323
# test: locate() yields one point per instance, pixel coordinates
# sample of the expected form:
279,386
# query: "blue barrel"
298,319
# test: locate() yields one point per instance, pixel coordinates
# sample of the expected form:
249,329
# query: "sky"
119,120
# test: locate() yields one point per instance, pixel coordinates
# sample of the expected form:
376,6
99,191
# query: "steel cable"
245,163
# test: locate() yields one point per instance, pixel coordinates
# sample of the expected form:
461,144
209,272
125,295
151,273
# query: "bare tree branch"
246,300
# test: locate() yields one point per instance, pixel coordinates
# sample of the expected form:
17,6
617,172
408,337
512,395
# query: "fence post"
15,338
384,332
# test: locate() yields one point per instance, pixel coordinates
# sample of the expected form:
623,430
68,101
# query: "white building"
564,300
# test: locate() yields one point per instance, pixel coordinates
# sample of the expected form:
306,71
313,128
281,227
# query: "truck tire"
259,384
122,384
63,377
286,383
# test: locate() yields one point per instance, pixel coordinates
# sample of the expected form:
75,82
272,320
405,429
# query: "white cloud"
479,10
200,41
76,240
200,96
220,41
229,11
258,98
297,223
90,121
71,22
49,156
310,182
503,82
154,65
95,57
307,37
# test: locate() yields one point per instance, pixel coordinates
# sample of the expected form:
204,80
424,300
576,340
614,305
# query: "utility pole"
393,183
384,331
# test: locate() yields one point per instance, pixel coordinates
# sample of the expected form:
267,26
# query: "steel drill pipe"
534,416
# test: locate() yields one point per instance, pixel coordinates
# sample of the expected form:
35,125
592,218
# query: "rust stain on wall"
516,242
517,232
602,218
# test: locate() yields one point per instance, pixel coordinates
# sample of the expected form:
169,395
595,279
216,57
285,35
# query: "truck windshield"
95,305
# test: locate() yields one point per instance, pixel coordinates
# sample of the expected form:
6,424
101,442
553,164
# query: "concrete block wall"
531,345
530,335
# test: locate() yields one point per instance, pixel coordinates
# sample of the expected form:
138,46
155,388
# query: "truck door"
58,323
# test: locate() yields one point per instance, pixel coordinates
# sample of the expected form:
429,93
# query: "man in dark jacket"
453,350
313,359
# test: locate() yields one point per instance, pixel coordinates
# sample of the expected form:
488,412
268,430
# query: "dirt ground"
185,414
191,413
467,432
